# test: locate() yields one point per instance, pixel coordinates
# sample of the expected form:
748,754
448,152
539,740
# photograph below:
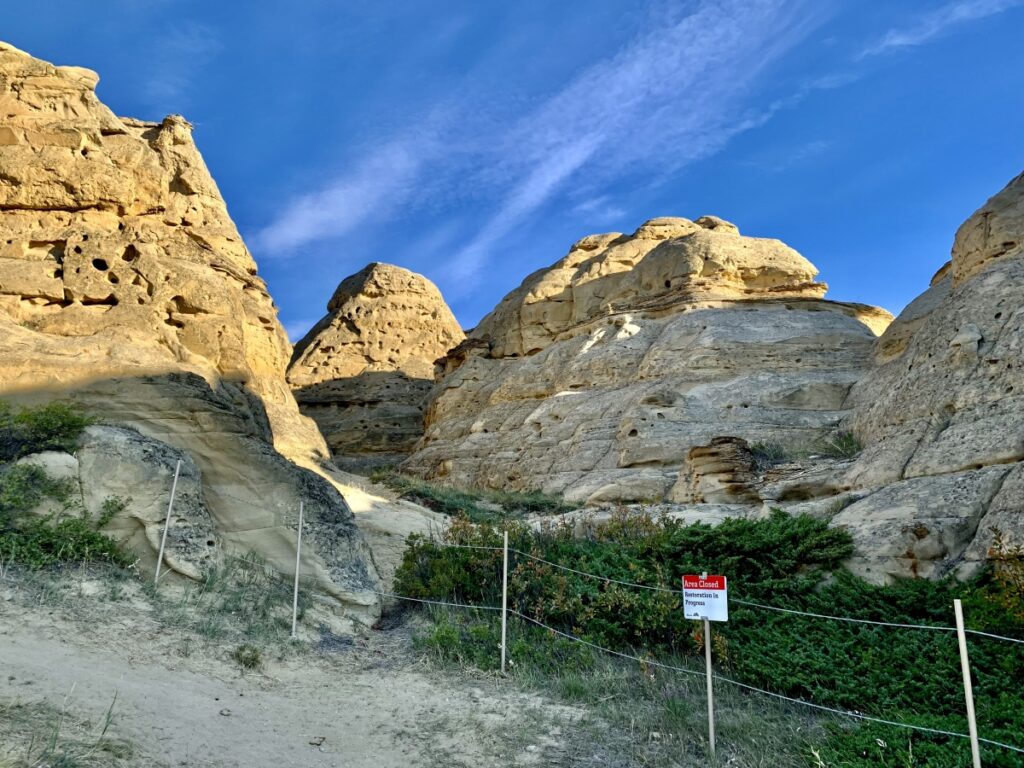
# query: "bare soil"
340,702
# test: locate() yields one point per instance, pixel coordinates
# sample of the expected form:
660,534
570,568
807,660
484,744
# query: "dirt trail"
372,707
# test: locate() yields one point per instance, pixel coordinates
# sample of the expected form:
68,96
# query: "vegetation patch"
248,656
34,735
51,427
242,601
479,506
834,445
66,533
905,675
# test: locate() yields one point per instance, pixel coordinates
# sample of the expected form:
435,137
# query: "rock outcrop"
125,285
942,413
598,376
689,366
363,372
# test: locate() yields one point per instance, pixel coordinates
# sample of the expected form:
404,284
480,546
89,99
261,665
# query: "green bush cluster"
68,535
792,562
51,427
479,506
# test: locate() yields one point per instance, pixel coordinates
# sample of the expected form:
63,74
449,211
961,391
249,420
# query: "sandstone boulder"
363,372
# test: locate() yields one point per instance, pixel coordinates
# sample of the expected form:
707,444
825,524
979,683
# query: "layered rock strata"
363,372
597,377
125,285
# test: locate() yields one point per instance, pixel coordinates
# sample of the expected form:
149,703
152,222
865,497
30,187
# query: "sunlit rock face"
363,372
597,376
125,285
942,412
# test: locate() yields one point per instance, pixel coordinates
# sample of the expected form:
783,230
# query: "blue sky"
475,141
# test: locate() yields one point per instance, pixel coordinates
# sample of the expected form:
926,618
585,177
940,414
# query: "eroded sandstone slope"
363,372
125,285
942,412
597,377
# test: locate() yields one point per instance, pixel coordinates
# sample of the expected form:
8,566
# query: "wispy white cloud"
602,207
938,22
778,159
177,59
383,179
296,329
675,93
671,96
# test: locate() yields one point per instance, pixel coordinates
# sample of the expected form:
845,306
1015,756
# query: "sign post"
707,598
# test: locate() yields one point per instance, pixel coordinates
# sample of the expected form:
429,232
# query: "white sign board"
705,597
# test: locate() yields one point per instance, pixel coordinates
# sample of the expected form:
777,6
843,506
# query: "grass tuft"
247,656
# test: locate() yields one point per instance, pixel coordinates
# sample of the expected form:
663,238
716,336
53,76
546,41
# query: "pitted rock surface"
363,372
125,285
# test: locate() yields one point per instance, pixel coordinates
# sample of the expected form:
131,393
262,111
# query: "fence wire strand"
649,662
745,686
750,604
734,600
994,637
437,602
593,575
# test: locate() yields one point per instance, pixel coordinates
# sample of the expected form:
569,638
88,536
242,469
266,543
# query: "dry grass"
35,735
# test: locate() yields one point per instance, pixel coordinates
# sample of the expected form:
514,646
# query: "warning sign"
705,597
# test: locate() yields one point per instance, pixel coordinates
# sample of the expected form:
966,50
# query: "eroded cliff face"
598,376
942,412
125,285
363,372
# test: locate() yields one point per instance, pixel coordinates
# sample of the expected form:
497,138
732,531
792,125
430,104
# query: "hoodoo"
363,372
125,286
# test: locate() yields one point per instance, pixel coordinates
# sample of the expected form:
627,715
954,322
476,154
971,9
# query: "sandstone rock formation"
363,372
942,413
597,377
125,285
689,366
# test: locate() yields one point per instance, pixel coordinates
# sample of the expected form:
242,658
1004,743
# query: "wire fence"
504,610
719,677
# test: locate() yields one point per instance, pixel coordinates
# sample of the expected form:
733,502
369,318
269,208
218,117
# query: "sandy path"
372,711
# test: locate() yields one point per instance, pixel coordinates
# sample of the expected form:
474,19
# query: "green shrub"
51,427
900,674
22,488
39,542
35,541
479,506
768,454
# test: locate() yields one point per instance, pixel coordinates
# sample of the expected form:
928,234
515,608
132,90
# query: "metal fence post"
504,601
295,594
167,523
965,668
